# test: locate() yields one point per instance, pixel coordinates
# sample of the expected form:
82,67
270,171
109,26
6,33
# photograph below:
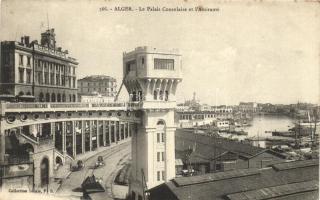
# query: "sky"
261,52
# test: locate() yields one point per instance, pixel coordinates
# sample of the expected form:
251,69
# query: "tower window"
162,156
158,137
164,64
155,95
163,175
158,156
158,175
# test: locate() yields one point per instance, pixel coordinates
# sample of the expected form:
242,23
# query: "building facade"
97,85
37,72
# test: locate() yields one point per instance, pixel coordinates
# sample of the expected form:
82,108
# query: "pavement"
114,157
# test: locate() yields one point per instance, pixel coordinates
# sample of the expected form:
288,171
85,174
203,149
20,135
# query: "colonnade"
87,135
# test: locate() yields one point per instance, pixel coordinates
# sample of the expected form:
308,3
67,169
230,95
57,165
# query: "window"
133,196
21,73
162,137
162,156
158,137
28,61
130,66
20,59
142,61
166,95
155,95
158,156
28,76
158,175
161,95
163,175
164,64
6,58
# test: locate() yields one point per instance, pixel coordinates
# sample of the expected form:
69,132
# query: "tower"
151,77
48,39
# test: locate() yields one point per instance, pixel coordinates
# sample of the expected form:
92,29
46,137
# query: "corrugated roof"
297,164
219,190
208,146
277,191
183,181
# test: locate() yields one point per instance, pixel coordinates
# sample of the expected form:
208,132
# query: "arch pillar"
90,132
83,127
104,132
109,127
74,139
64,146
97,132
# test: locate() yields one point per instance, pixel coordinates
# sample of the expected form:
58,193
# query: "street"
113,158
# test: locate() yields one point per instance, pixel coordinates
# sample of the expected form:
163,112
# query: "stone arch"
29,93
59,160
53,97
47,97
44,171
21,93
161,122
27,147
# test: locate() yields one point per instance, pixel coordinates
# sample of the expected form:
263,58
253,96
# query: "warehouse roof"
246,184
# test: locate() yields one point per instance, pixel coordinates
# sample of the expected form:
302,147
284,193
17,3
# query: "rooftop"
205,145
297,182
97,78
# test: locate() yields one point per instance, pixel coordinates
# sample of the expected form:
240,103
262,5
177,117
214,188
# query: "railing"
14,107
69,105
30,137
25,105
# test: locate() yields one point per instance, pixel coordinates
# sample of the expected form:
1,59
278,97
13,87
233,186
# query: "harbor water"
263,125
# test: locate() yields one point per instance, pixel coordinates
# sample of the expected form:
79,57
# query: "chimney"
26,40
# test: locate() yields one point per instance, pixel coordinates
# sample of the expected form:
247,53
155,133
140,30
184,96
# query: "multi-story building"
248,107
97,84
37,72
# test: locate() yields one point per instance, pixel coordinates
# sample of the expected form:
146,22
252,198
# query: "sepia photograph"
159,100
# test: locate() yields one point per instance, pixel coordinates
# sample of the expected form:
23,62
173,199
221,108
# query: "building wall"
259,161
104,86
32,69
